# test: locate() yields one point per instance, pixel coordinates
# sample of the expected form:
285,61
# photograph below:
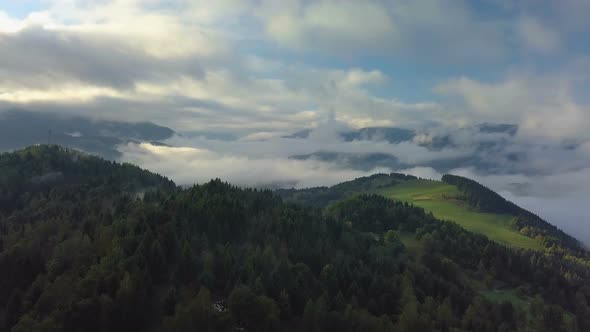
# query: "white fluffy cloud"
332,25
439,31
159,28
538,37
188,165
543,105
177,63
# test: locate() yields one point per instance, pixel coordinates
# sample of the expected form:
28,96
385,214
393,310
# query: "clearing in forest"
444,201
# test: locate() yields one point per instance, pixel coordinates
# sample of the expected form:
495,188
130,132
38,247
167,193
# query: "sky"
257,70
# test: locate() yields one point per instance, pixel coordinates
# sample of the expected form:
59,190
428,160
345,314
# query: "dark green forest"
92,245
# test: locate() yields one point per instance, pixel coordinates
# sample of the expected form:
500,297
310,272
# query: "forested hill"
46,165
87,253
467,195
40,168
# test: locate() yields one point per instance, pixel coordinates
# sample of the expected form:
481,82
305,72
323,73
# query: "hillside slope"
484,199
457,199
445,202
87,253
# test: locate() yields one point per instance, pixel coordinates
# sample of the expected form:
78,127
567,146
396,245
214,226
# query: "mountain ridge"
474,194
20,128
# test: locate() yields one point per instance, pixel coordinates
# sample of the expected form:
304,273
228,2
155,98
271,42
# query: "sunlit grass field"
439,198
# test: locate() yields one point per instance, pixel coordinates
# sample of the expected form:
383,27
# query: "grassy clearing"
499,296
439,198
409,240
524,303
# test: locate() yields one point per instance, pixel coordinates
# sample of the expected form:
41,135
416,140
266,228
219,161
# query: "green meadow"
409,240
441,199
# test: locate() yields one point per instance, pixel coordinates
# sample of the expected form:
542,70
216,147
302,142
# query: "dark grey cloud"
19,129
177,111
487,148
37,57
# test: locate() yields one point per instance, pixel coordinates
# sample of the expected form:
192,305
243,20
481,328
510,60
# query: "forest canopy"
92,245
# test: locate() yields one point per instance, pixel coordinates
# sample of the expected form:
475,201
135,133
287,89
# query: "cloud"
409,28
218,97
326,136
145,25
567,16
118,58
543,105
40,58
12,25
187,165
539,37
332,26
423,172
213,76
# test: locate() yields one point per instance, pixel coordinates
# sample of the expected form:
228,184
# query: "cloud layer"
272,66
187,165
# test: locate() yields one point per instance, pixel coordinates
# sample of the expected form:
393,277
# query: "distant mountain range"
397,135
360,161
388,134
496,139
20,128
